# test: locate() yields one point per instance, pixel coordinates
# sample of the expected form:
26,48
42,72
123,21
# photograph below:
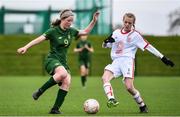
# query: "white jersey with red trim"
126,44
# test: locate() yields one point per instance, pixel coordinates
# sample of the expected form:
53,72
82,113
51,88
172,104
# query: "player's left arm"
89,48
88,29
143,44
78,48
163,58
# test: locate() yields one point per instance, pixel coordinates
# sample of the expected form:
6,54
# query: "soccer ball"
91,106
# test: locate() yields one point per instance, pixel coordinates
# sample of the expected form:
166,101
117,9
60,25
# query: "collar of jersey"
60,30
83,40
124,32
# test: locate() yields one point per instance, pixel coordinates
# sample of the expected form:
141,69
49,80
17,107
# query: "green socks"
61,93
51,82
60,98
83,80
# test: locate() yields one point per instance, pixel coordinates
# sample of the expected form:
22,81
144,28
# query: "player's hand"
109,39
86,46
96,15
104,45
22,50
81,49
167,61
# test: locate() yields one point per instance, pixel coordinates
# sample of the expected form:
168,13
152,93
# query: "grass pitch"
162,95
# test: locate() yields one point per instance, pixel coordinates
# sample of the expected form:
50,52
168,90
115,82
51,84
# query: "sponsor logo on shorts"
128,71
56,64
60,38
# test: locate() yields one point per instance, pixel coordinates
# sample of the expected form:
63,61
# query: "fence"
39,19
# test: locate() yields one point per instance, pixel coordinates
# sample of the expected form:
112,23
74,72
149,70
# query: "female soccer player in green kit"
60,36
84,48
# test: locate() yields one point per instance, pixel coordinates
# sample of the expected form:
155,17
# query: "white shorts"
122,66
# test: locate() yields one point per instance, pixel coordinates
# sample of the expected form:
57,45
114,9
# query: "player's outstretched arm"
23,49
164,59
88,29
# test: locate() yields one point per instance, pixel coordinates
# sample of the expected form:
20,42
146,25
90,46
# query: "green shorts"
51,64
84,62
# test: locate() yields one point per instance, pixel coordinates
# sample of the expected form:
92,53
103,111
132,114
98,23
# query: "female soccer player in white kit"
124,44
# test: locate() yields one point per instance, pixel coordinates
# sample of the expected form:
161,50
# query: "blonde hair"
62,15
130,15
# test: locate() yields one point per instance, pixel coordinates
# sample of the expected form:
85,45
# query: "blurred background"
23,20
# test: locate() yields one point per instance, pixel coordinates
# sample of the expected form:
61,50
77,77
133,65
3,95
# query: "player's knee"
107,76
83,73
105,79
61,72
66,83
60,75
63,75
129,89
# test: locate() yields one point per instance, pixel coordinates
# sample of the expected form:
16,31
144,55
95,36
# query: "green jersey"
84,54
60,41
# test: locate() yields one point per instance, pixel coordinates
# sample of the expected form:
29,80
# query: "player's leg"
83,74
50,66
135,93
62,92
59,74
127,68
86,71
106,78
51,82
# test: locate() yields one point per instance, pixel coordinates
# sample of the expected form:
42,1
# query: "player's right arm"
36,41
107,43
78,49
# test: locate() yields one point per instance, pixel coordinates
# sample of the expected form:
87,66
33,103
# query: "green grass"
161,94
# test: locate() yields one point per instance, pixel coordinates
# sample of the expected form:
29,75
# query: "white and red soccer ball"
91,106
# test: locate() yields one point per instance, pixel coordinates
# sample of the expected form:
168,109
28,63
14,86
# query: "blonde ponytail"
56,22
